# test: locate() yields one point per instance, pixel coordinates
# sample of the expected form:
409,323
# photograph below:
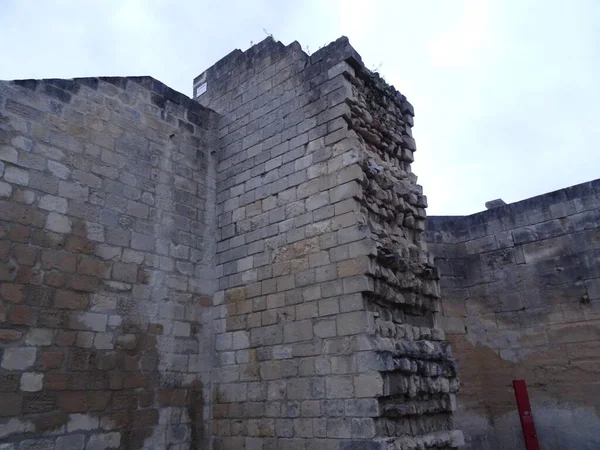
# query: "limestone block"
104,441
5,189
32,382
39,337
52,203
58,223
71,442
15,358
16,176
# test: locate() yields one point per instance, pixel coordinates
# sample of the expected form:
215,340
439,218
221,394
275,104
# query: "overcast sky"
506,92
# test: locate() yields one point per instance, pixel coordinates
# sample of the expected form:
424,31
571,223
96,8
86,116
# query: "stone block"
59,170
298,331
104,441
125,272
73,191
12,292
317,201
303,428
5,189
298,389
264,336
32,382
31,161
24,196
70,299
325,328
120,237
112,252
82,422
103,341
8,154
284,428
18,358
353,323
71,442
85,339
52,203
36,444
350,234
363,428
593,288
44,183
339,387
39,337
368,385
453,325
351,302
15,175
339,428
240,340
142,242
362,407
345,191
573,332
58,223
306,310
88,321
137,209
95,232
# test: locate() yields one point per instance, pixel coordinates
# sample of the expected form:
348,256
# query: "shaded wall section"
105,264
521,286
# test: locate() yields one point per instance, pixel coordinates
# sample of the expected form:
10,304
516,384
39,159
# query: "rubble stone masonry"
521,286
240,271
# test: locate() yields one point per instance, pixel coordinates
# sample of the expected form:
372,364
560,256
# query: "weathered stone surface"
519,285
18,358
32,382
104,441
71,442
320,252
58,223
91,358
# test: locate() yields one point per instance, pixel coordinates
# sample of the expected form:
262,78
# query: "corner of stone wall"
327,333
410,360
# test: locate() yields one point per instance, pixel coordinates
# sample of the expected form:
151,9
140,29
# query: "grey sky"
506,92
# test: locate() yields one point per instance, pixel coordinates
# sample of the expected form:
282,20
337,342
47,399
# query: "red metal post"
526,416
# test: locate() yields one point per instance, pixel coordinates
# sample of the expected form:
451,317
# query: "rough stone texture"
521,286
249,276
327,301
106,254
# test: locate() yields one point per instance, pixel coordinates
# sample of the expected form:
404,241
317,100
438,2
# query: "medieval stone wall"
106,264
250,276
327,336
521,287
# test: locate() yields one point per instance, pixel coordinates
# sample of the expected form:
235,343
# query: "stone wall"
521,286
327,335
106,264
250,276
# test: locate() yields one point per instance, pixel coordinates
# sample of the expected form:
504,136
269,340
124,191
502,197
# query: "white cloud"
461,45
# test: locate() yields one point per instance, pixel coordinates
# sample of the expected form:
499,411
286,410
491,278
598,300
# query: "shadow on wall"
563,397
